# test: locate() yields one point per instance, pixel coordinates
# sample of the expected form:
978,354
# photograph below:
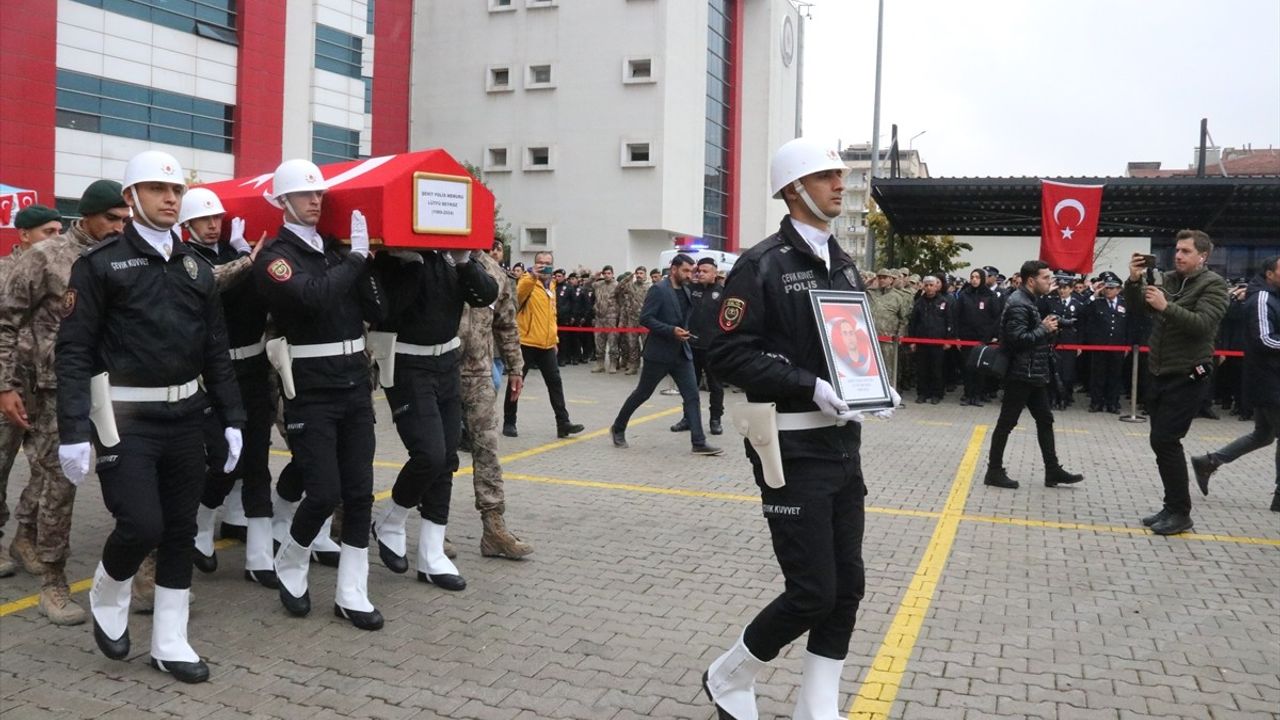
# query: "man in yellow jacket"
536,320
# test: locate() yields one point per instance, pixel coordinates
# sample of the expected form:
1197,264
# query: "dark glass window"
719,139
337,51
214,19
330,143
111,107
368,95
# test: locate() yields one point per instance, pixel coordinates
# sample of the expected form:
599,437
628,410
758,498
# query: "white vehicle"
724,260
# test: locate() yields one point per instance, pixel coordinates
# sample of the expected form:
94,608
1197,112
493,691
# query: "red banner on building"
1069,225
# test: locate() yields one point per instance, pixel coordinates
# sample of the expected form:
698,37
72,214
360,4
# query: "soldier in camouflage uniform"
890,310
33,301
484,331
631,292
606,293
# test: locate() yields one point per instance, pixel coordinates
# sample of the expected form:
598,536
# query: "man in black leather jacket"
1029,341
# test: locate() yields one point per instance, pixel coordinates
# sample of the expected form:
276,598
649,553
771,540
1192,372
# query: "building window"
497,158
337,51
368,19
501,6
715,193
214,19
94,104
535,239
538,157
368,95
531,4
636,154
330,143
68,208
638,70
497,78
538,77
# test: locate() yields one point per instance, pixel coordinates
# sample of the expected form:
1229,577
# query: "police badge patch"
189,263
279,270
68,302
731,313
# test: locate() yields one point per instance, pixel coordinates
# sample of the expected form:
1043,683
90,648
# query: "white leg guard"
257,551
431,557
169,628
731,682
281,516
820,689
324,543
292,563
205,519
353,579
389,526
109,601
233,506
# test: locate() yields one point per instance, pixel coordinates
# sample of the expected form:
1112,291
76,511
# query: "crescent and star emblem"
1074,205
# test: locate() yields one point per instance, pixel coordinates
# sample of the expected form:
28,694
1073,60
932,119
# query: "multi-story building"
850,228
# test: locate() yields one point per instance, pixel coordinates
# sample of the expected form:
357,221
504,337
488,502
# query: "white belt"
403,348
332,349
811,420
245,352
172,393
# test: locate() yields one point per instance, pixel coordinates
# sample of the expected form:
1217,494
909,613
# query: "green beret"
33,216
101,196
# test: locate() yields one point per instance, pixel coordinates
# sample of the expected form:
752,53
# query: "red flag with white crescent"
1069,225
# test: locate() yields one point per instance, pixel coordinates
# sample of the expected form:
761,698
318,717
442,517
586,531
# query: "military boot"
599,368
7,567
55,598
144,586
497,541
23,550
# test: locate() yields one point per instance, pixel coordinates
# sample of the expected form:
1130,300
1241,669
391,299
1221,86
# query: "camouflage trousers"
480,414
48,499
890,361
10,445
607,341
631,344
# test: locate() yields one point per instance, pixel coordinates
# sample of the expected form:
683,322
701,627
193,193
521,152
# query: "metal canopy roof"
1227,208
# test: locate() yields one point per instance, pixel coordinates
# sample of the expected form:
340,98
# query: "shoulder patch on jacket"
731,313
280,270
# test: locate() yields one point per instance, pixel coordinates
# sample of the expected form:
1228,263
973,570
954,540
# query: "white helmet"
296,175
798,158
199,202
153,166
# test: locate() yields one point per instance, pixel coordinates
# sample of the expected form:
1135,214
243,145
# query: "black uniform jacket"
319,297
703,318
1105,326
242,306
1070,312
770,344
147,323
425,301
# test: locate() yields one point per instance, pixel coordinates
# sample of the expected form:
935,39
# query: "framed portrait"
848,333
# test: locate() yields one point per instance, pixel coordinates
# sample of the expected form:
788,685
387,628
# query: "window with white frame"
535,238
637,70
539,157
637,153
497,158
497,78
501,5
531,4
539,76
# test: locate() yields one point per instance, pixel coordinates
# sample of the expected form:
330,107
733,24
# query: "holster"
382,348
278,356
101,411
758,423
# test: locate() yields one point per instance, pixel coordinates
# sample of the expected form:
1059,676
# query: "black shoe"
114,649
964,402
920,399
999,478
265,578
682,426
619,438
187,672
935,400
398,564
371,620
1172,525
1059,476
1208,414
509,429
233,532
297,606
453,583
1275,502
975,402
1203,465
706,450
327,558
1153,519
1095,408
564,431
1114,409
204,563
715,427
721,713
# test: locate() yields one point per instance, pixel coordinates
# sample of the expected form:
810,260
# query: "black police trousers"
929,359
701,369
151,483
816,521
1172,404
331,436
426,407
253,469
1105,379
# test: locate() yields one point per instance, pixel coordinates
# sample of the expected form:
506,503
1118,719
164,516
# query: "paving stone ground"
648,562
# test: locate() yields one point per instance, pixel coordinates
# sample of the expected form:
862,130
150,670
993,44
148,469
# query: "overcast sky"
1046,87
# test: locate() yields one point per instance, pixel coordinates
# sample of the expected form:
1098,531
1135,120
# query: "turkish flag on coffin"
1069,225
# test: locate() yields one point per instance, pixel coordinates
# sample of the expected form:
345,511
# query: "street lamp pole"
875,134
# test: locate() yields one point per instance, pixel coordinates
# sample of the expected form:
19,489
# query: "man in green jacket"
1185,310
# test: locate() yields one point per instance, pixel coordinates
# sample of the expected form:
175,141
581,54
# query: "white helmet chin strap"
291,214
809,203
142,214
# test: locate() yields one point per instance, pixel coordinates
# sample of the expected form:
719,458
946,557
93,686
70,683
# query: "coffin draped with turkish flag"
1069,225
419,200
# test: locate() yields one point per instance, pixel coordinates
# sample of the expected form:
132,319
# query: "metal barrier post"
1133,416
893,368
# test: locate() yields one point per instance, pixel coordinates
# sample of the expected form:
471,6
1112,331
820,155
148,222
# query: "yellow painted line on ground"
935,423
1118,530
884,677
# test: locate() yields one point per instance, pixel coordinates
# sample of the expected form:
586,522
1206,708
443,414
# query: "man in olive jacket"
1185,310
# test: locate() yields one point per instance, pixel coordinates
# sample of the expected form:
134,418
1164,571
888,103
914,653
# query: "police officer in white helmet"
811,487
143,323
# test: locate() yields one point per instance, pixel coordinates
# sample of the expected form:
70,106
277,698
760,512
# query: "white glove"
887,413
237,236
408,256
460,257
74,460
828,400
359,234
234,444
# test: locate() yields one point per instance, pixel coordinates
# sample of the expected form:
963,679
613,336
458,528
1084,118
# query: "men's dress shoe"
187,672
115,649
397,564
619,438
509,429
234,532
1204,466
371,620
297,606
444,582
204,563
1275,502
1173,524
682,426
999,478
564,431
1059,476
706,450
935,400
265,578
1095,408
920,399
715,427
1157,517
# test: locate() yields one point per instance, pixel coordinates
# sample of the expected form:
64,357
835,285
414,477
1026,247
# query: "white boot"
389,531
233,506
281,516
433,566
259,566
205,560
170,651
351,600
730,682
109,603
820,689
292,563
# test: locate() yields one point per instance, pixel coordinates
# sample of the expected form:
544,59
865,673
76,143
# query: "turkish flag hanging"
1069,225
